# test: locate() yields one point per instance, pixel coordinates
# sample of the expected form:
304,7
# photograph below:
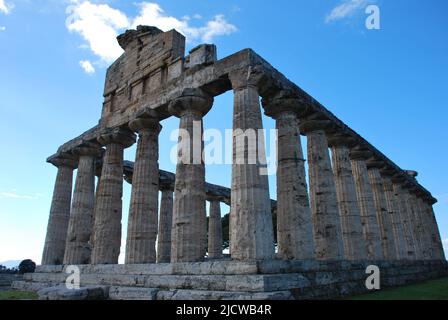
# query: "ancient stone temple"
359,208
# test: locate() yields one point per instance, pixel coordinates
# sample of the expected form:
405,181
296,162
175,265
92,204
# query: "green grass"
17,295
428,290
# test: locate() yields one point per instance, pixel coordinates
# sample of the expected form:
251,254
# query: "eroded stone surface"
382,213
215,231
143,211
251,231
369,220
108,202
323,199
165,223
294,223
189,233
78,247
54,248
352,233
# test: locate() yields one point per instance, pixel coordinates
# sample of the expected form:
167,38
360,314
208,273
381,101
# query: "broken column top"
147,49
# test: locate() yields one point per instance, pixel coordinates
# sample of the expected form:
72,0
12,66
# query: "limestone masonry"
359,209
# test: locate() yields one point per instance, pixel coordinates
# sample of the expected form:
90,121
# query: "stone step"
222,295
61,292
188,268
29,286
232,283
132,293
46,291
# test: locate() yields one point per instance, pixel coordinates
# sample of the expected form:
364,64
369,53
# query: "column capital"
387,171
398,178
340,139
308,126
245,77
375,163
63,160
191,100
89,148
166,186
283,102
360,153
122,136
140,124
214,198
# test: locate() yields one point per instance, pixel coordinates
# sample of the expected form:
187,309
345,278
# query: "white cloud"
216,27
2,28
14,195
345,9
87,66
99,25
5,7
152,14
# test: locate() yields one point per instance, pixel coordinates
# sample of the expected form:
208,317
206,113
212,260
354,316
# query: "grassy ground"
17,295
428,290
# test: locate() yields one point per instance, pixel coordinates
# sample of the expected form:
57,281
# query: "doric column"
189,234
54,247
294,224
401,198
215,230
428,253
416,222
436,242
108,202
394,213
143,210
382,212
78,248
251,230
165,223
323,200
411,211
354,244
369,220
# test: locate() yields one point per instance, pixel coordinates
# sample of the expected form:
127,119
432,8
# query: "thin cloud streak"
14,195
346,9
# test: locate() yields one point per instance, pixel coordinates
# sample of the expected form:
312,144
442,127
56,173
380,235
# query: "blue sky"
389,85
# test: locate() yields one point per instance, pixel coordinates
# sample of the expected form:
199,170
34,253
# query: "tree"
27,266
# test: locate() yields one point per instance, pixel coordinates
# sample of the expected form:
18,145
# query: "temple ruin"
359,209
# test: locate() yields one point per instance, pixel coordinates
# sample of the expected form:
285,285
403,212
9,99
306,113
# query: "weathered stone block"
201,55
85,293
131,293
